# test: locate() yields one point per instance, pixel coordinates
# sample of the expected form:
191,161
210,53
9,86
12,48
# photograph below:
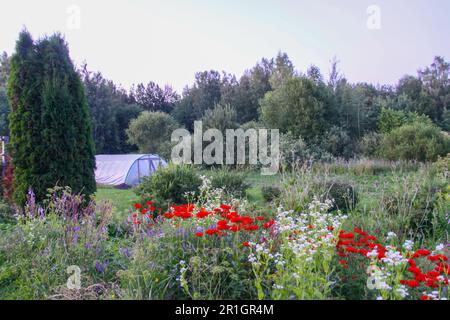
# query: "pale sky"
168,41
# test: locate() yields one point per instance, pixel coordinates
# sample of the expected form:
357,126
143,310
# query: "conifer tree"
51,138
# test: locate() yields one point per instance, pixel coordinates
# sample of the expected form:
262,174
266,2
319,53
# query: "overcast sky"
168,41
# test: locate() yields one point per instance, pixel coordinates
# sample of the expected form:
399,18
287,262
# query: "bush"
151,132
442,166
417,141
370,144
344,195
414,204
270,193
6,214
169,185
232,182
338,143
222,117
294,150
390,119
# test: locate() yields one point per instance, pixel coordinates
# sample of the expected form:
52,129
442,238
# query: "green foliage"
203,95
344,194
391,119
445,123
417,141
442,166
51,137
36,252
338,143
435,95
124,114
4,112
4,105
370,144
231,181
151,132
270,193
417,205
296,106
222,117
154,98
6,213
111,113
295,151
169,185
354,108
252,86
212,272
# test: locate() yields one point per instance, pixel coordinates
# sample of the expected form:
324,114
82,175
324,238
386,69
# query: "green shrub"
370,144
442,166
414,204
270,193
222,117
294,151
390,119
338,142
417,141
151,132
169,185
344,194
231,181
5,212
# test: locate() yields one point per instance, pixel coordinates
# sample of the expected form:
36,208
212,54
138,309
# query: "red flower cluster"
430,278
230,220
143,211
361,243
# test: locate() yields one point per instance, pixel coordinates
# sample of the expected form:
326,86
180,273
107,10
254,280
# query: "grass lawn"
122,199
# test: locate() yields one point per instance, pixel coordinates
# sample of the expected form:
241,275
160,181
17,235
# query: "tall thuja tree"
4,106
51,138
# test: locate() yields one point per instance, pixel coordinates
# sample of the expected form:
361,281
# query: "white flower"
277,286
402,291
440,247
394,258
391,235
408,245
373,253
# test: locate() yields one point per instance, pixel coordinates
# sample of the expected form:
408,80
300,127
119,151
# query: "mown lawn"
122,199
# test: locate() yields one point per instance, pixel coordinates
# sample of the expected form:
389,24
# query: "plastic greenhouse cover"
125,169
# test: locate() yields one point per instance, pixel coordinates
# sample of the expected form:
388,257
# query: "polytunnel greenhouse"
125,169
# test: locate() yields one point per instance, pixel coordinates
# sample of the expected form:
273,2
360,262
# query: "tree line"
330,115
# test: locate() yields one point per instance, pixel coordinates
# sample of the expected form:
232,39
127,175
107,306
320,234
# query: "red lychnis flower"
210,232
